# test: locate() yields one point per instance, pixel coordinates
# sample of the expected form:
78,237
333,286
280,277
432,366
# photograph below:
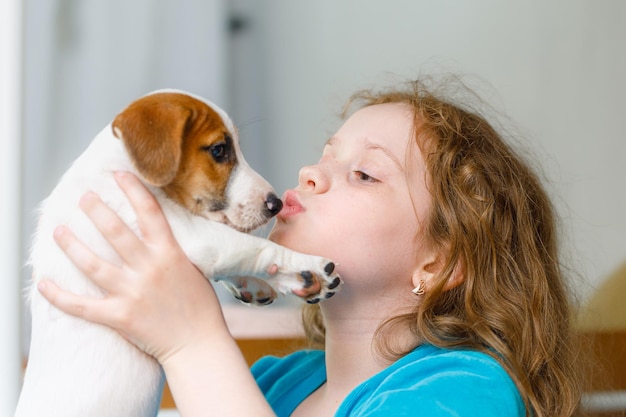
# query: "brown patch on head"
180,144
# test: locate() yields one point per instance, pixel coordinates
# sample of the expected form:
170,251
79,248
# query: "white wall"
555,68
10,144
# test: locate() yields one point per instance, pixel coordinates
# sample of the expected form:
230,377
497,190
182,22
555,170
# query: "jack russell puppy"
186,150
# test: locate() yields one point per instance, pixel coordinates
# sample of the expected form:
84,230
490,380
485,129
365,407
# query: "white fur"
77,368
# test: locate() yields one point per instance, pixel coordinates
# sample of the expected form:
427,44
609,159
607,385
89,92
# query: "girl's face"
363,204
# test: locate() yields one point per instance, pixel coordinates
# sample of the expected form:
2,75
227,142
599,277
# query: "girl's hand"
156,299
159,301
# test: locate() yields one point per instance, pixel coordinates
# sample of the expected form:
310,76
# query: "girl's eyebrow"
377,147
373,146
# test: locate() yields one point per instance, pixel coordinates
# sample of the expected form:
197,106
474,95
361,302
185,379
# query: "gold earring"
419,290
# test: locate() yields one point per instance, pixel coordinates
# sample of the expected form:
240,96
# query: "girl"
453,301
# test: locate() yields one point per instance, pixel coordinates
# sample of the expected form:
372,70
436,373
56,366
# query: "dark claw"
329,268
265,301
335,283
329,294
308,278
313,301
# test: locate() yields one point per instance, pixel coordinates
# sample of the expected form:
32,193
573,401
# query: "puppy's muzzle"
273,205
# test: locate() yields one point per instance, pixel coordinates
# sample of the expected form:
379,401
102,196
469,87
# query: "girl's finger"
112,227
151,220
84,307
98,270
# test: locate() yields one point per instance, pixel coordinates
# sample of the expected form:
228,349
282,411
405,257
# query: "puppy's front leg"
256,269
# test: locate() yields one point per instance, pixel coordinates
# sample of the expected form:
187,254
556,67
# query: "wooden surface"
605,309
604,362
604,358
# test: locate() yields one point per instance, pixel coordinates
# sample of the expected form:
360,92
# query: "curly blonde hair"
496,223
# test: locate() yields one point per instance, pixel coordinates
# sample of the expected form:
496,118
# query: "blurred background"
283,69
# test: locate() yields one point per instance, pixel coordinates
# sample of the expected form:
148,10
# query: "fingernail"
41,286
87,197
58,231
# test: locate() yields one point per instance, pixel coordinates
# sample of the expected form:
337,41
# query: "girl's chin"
285,236
274,235
281,236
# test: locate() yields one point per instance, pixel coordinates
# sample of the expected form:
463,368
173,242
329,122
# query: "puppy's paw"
251,290
313,283
311,278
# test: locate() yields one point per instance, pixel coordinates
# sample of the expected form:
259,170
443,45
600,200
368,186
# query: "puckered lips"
291,205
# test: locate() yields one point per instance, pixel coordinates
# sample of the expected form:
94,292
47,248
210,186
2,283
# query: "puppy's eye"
218,151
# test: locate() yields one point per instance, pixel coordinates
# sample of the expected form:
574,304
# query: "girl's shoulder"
430,360
434,381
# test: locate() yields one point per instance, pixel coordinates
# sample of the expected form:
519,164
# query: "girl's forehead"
385,111
389,124
389,127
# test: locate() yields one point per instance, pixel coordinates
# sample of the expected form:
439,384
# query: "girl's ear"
424,274
457,277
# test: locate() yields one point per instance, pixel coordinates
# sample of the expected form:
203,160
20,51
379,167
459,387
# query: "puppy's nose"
273,204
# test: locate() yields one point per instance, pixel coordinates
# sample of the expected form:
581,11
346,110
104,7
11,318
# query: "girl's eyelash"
365,177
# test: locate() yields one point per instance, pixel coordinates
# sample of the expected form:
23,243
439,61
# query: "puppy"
186,151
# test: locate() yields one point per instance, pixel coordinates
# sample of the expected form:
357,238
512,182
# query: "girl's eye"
362,176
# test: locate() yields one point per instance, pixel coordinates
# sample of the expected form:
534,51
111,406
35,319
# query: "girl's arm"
160,302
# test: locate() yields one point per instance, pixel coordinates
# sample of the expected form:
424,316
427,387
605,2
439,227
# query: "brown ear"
152,129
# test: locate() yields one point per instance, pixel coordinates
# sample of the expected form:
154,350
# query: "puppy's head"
189,148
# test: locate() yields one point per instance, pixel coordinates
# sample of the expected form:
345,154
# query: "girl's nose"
313,178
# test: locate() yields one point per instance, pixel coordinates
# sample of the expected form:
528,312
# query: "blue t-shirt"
428,382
